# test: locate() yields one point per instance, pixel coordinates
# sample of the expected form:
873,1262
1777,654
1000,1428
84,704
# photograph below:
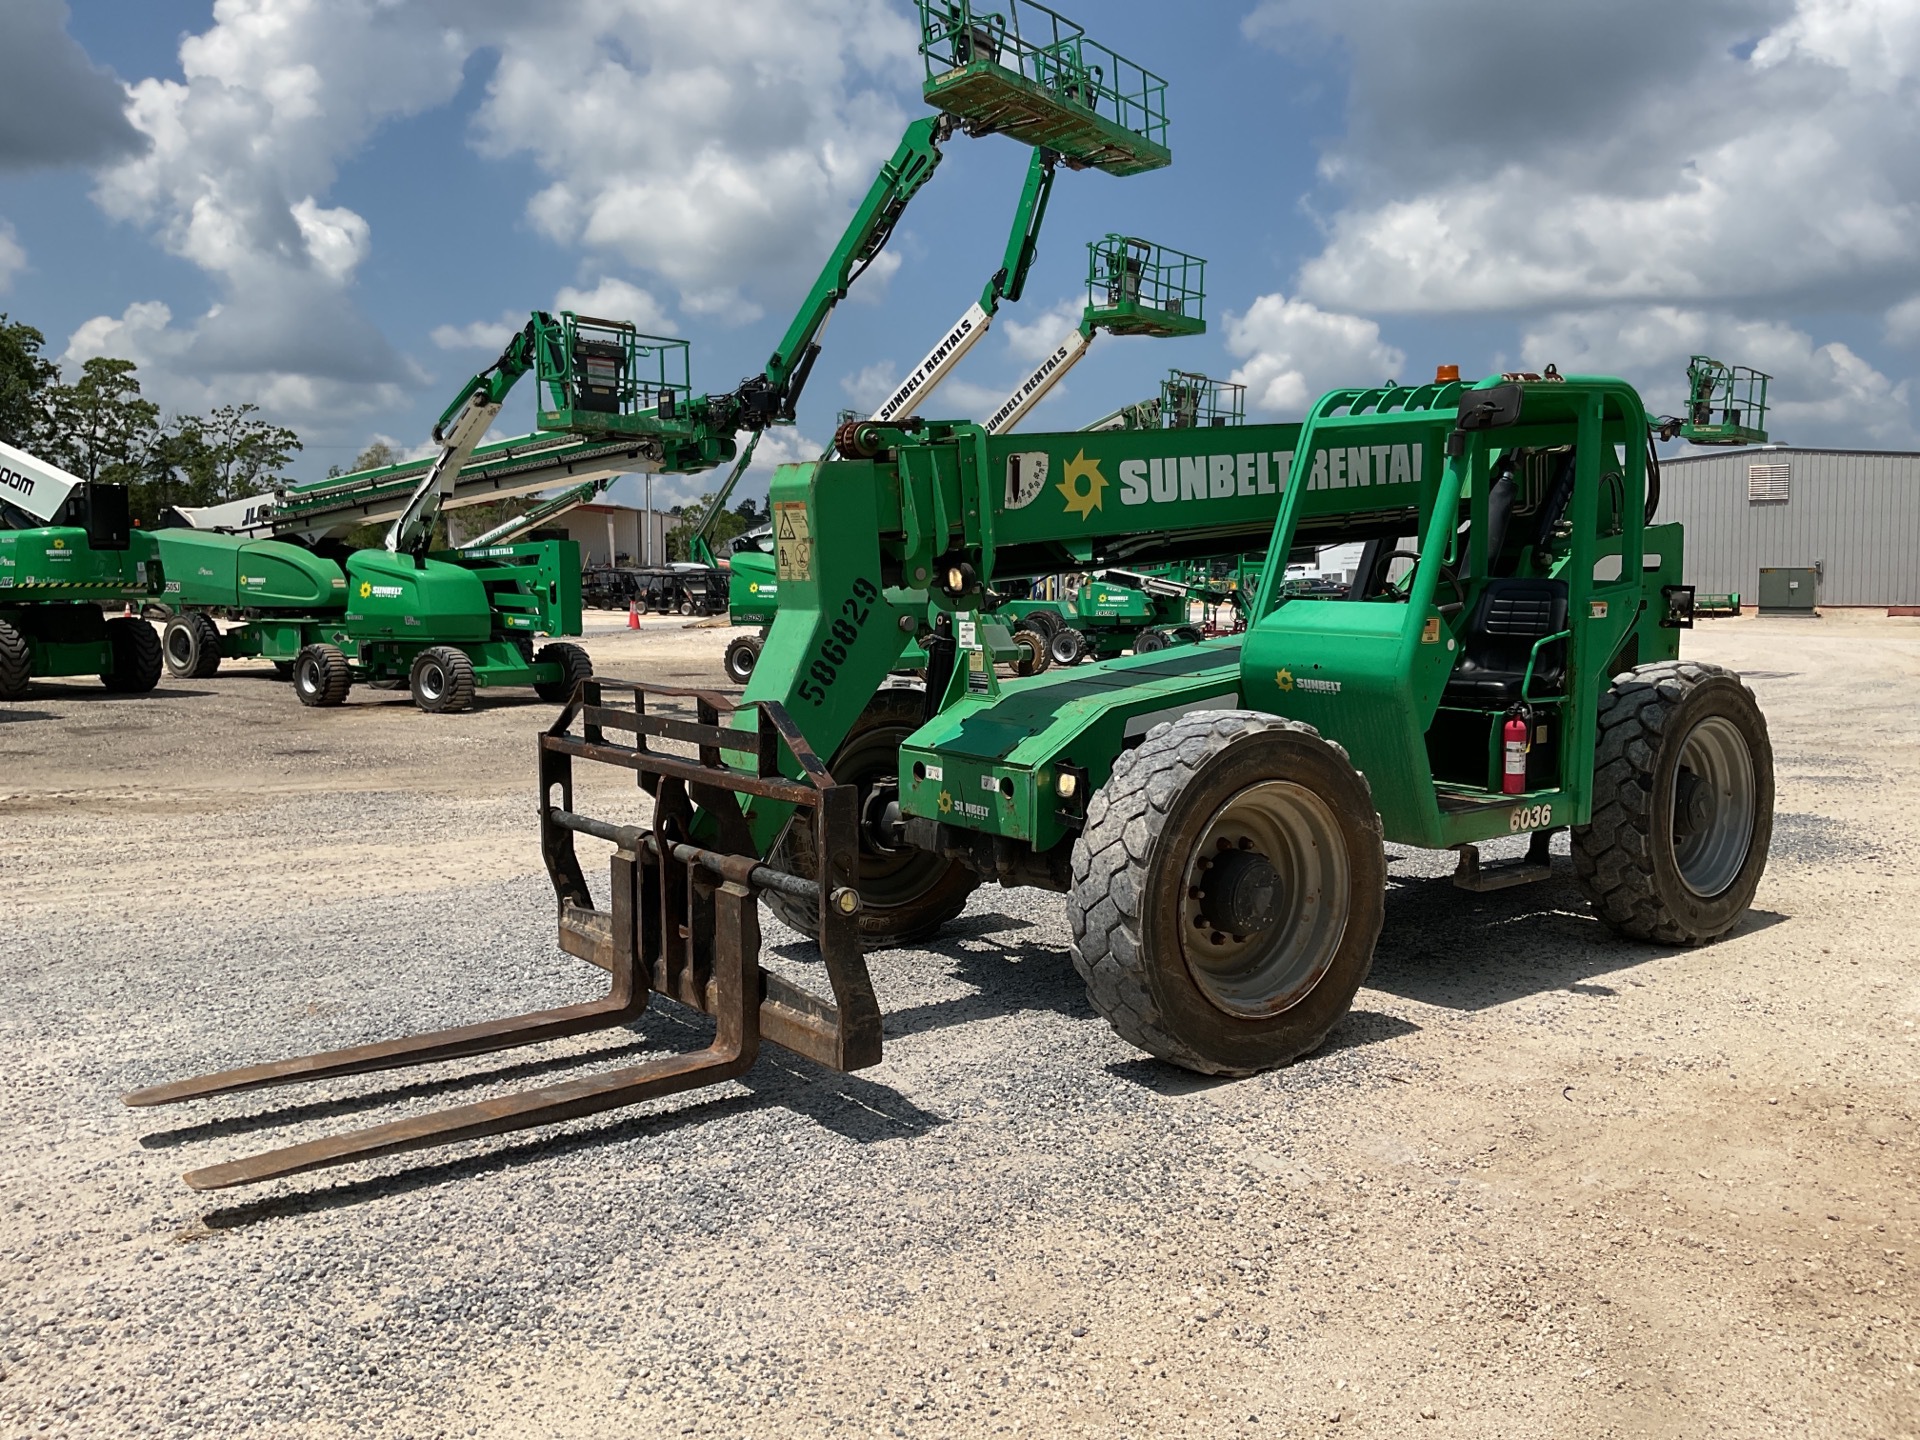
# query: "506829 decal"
832,653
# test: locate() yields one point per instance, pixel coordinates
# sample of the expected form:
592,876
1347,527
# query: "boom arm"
569,499
460,427
698,548
1009,282
31,484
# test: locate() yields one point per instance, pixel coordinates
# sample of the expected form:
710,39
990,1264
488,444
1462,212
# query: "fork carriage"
681,921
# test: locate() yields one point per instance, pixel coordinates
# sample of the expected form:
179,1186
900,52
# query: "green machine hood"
230,572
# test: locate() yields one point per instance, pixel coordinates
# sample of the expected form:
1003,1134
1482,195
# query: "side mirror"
1492,409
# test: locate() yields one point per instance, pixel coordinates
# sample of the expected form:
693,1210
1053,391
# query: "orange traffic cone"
633,616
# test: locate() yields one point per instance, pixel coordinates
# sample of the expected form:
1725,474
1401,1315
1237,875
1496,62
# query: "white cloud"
61,108
1294,352
613,299
871,384
1557,160
322,408
1903,322
1033,340
480,334
1821,394
13,255
707,143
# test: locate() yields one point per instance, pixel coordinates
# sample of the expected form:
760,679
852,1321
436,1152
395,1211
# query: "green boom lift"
67,549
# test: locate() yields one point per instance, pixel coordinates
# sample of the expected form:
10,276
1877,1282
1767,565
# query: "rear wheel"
1682,804
1046,622
1148,641
321,676
191,644
743,653
686,606
16,662
134,663
1066,646
575,666
1228,891
442,680
1033,656
1185,635
906,894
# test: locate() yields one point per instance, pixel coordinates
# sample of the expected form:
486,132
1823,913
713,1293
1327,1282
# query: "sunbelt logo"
1204,477
1352,467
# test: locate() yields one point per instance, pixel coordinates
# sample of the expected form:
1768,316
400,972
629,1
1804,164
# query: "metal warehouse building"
1852,517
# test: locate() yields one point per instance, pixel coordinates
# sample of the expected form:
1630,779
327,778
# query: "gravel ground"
1540,1183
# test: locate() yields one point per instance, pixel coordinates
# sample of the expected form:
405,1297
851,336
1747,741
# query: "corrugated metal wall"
1857,513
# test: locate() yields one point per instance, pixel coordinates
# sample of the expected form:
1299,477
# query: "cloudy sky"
339,208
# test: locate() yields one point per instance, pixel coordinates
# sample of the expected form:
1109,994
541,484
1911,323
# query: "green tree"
25,377
726,525
244,454
100,427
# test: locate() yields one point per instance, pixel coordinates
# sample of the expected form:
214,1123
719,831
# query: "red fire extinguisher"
1513,777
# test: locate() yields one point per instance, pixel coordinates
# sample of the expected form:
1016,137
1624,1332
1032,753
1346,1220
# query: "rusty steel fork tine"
736,1044
625,999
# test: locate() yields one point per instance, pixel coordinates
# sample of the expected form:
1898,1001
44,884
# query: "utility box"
1787,590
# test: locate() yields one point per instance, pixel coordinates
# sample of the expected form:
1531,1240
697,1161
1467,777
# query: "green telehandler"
68,553
1506,663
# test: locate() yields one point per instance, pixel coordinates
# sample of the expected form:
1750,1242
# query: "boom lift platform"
1726,405
67,548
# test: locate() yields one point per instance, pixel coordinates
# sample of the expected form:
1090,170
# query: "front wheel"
1682,804
442,680
905,894
134,662
191,644
1033,656
1228,891
321,676
575,665
743,653
16,662
1066,646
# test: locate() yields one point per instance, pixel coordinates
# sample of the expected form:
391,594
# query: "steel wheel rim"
307,675
1269,972
179,646
433,682
1712,853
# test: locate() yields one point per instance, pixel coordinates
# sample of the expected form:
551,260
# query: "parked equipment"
68,548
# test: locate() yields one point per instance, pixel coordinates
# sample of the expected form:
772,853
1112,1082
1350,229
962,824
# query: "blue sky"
316,204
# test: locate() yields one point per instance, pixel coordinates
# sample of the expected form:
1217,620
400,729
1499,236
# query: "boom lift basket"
682,921
594,373
1726,404
1190,401
1135,287
1027,71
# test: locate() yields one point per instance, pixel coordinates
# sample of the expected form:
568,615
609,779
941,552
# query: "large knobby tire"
1219,819
1033,656
1682,804
134,663
743,653
16,662
442,680
321,676
1045,623
191,644
1066,646
905,895
575,665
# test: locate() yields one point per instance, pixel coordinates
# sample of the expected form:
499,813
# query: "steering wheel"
1404,594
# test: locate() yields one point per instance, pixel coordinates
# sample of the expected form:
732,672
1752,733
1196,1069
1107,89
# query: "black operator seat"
1511,616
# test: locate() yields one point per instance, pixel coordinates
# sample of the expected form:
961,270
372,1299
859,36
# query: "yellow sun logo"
1083,485
1284,679
946,802
366,588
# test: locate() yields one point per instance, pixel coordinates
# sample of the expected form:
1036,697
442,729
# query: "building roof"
1782,452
